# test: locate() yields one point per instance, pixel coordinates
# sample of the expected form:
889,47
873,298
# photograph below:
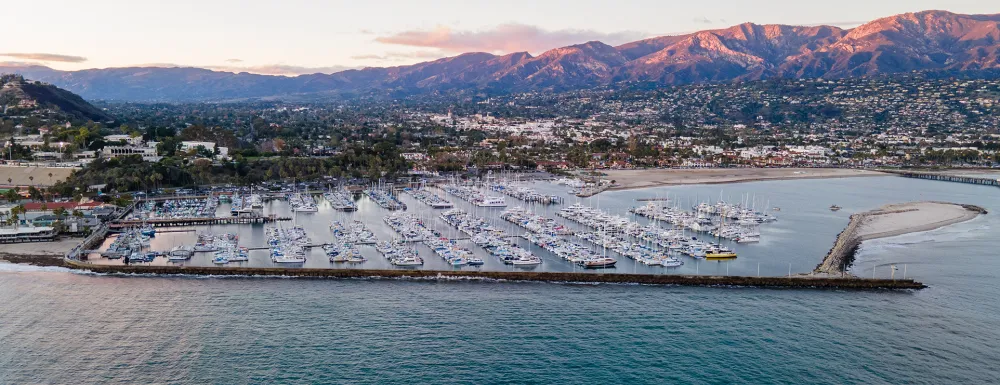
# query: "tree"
60,212
32,179
34,193
12,195
77,213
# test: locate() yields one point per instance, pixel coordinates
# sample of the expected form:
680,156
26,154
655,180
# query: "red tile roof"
37,206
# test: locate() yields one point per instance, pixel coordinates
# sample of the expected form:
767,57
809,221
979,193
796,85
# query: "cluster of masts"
474,195
429,198
611,230
533,222
412,228
176,208
491,238
246,205
527,194
384,197
340,199
288,245
302,203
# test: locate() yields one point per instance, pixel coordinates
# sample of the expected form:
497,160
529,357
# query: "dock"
195,221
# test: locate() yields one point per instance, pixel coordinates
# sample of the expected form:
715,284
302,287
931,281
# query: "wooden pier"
197,221
949,178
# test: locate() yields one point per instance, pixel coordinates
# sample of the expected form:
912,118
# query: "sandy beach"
634,179
905,218
38,176
889,221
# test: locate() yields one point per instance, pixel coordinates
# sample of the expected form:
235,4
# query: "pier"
949,178
516,276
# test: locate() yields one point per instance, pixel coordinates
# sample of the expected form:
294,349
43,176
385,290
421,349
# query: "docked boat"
475,262
180,253
408,261
600,263
491,201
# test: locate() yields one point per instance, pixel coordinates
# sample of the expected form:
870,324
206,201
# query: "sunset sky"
299,36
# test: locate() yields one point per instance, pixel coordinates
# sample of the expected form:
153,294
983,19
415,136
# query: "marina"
563,237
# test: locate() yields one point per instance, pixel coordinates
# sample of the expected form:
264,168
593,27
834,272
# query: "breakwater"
648,279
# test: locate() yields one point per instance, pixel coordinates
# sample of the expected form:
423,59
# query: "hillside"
23,97
923,41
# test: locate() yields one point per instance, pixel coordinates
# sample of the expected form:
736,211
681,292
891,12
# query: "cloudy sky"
290,37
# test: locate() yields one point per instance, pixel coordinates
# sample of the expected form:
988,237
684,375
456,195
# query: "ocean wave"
21,268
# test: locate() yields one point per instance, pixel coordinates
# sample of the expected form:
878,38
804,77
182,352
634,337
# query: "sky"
291,37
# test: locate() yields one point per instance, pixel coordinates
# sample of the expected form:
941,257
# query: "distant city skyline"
300,36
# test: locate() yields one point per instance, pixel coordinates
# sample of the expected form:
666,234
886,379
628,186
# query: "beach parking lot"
32,175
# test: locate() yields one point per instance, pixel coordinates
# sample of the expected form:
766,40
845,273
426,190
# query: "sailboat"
717,251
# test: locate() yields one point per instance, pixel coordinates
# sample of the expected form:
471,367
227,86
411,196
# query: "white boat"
288,259
408,261
526,262
492,201
202,247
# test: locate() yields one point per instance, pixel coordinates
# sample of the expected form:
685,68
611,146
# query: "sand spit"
635,179
889,221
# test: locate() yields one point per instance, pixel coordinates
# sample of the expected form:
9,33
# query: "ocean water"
58,326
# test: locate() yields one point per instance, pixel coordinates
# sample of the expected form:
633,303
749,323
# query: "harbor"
683,230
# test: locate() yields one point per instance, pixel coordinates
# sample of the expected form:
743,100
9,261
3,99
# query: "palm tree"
32,179
50,178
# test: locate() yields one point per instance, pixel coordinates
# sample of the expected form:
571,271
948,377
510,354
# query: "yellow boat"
729,255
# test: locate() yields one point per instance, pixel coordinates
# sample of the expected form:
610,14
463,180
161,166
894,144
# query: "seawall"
648,279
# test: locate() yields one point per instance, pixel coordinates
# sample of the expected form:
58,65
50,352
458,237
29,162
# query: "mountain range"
929,40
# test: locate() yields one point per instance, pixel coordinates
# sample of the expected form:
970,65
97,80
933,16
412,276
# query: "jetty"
795,282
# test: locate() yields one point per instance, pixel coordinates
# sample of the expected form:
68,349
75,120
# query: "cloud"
46,57
400,56
702,20
366,32
234,61
503,38
279,69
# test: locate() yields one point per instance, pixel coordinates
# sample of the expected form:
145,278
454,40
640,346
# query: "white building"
135,141
148,152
